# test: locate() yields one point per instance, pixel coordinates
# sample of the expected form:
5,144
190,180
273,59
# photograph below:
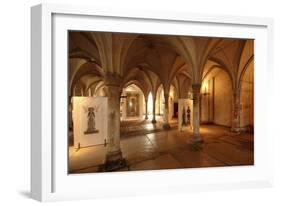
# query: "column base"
196,143
153,121
249,129
235,129
114,161
166,126
197,139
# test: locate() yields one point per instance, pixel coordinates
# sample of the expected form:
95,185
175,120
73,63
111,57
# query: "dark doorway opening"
175,115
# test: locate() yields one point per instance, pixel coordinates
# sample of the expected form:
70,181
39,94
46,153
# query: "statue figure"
188,114
184,123
91,121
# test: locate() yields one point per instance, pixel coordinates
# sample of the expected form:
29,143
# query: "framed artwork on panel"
136,102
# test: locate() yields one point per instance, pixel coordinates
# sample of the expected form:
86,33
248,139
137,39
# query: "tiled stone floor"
136,127
170,149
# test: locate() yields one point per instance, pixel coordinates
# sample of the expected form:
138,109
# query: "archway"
99,90
173,103
78,89
216,98
160,101
247,98
132,103
150,104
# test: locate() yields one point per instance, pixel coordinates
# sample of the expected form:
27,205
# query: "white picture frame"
49,178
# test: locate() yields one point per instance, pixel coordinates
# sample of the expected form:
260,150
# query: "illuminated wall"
216,99
132,105
222,99
247,97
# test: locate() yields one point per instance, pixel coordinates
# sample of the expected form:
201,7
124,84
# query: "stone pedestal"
196,112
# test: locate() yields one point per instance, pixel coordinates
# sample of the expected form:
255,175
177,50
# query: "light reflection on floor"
169,149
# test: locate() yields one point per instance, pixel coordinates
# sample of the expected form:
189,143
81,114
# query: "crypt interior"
159,102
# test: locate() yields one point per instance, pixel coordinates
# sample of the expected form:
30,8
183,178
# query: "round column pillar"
196,112
154,110
114,159
235,127
166,124
146,108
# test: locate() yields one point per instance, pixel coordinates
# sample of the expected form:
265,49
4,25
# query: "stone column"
90,92
114,159
235,127
180,113
166,124
146,106
196,112
154,109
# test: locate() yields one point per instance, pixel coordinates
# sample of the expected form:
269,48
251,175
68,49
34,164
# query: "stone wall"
247,98
216,99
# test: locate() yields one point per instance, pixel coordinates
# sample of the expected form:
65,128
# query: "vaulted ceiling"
151,60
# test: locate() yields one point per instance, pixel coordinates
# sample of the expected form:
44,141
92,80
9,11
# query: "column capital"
112,79
145,98
166,95
196,87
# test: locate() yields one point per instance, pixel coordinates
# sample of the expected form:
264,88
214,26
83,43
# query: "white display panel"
89,118
185,109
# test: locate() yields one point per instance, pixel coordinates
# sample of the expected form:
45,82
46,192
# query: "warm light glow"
150,104
204,87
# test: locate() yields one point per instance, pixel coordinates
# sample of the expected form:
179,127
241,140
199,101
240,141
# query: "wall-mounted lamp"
204,88
205,91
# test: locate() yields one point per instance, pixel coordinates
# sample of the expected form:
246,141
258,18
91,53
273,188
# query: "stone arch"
132,104
216,99
158,44
99,90
221,65
159,100
83,46
92,86
246,95
250,61
138,84
78,89
88,68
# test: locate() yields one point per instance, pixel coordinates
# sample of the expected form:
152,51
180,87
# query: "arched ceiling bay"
152,60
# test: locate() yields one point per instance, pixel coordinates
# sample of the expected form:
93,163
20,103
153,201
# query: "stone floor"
137,127
154,148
